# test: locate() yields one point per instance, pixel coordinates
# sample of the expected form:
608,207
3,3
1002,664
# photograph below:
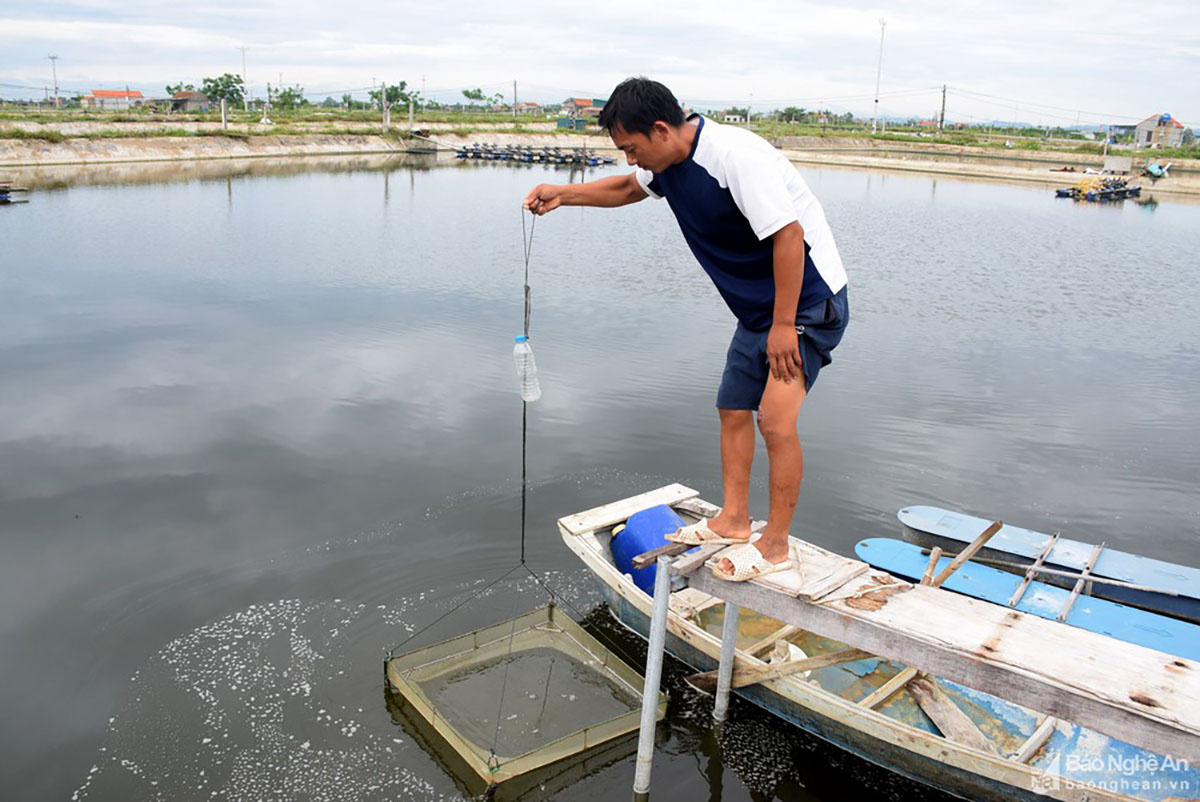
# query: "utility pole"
383,104
514,99
54,68
245,86
942,118
878,74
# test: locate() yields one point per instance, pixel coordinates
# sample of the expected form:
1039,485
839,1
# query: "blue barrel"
644,531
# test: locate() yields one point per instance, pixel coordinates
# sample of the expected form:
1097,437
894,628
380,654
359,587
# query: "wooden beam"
609,514
1087,569
756,674
783,633
1034,742
878,696
935,554
949,717
1129,692
966,553
1041,558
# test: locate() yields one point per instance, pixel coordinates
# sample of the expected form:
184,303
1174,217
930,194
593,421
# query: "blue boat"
991,584
1161,587
1027,756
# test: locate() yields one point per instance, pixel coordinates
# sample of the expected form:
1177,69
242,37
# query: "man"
760,234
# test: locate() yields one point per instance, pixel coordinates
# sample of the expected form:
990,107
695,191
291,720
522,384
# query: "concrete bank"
968,163
81,150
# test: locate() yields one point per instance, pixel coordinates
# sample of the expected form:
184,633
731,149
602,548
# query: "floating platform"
556,691
528,154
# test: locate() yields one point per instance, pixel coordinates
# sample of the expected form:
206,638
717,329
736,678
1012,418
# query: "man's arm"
616,190
783,344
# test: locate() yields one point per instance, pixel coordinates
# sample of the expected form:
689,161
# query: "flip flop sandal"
698,534
748,563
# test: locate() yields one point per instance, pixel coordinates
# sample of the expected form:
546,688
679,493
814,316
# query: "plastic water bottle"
531,390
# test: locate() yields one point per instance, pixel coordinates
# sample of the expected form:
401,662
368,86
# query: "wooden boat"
982,747
1129,624
1155,585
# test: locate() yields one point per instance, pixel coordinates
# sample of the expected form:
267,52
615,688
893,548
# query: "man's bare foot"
734,528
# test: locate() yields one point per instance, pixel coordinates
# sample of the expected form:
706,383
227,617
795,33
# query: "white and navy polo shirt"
730,195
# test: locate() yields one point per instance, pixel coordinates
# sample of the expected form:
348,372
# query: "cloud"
1105,57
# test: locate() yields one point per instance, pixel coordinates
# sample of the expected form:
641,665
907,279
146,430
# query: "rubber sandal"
698,534
748,563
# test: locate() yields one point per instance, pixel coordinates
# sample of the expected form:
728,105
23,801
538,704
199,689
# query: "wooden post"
224,122
654,661
935,554
729,630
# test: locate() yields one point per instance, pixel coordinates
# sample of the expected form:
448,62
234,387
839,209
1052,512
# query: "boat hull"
944,777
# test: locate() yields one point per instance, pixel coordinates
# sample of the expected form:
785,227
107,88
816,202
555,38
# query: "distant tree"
180,87
227,86
737,111
793,114
396,95
347,100
329,103
474,94
497,99
290,98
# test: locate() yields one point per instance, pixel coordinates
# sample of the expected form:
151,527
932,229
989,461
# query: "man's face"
650,152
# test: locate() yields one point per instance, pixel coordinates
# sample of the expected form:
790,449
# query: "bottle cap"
521,338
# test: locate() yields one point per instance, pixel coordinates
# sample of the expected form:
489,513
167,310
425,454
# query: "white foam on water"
265,704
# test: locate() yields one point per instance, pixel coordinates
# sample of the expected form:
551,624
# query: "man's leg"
777,416
737,455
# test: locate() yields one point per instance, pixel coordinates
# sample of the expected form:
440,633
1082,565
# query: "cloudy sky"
1051,62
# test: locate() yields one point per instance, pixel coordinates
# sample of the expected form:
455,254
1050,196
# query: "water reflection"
283,386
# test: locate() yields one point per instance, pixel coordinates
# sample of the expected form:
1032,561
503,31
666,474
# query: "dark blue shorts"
820,327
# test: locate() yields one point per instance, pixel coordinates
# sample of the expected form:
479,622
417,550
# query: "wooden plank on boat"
609,514
707,680
690,602
825,585
1034,742
949,717
689,562
1129,692
966,553
1087,569
1041,558
878,696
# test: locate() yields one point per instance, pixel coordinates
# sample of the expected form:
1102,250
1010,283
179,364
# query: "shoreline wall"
950,161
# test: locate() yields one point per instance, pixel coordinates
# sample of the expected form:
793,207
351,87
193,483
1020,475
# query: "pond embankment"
88,143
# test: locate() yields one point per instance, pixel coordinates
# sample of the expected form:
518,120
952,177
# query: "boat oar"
966,553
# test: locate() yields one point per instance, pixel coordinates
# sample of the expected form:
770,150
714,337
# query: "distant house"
1158,131
527,108
733,118
189,102
112,99
582,107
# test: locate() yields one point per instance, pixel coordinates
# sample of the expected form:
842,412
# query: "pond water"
261,423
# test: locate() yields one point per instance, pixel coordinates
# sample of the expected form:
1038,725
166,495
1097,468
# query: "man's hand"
544,198
783,352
